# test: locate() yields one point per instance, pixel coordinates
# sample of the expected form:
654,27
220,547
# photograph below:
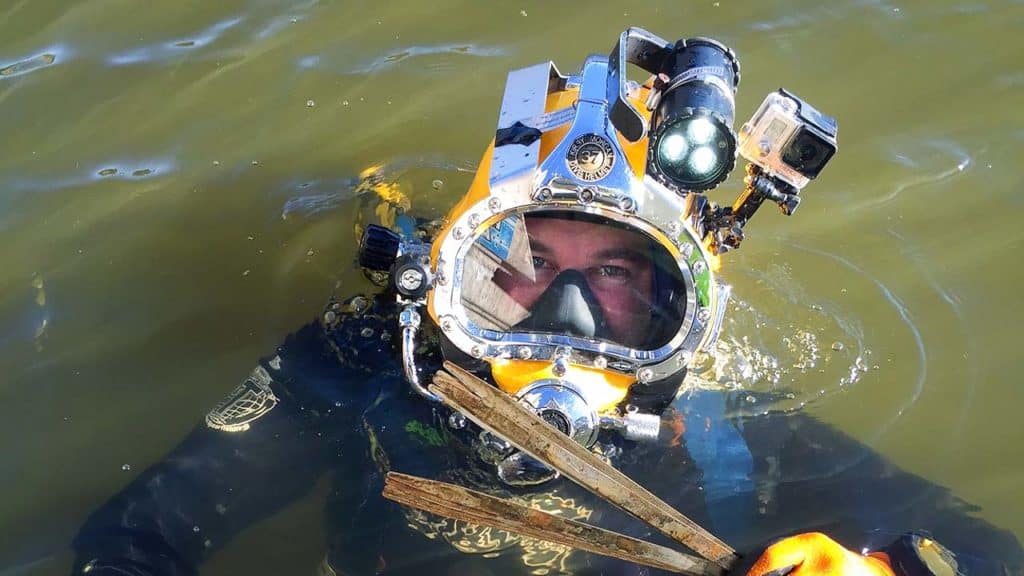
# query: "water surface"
178,187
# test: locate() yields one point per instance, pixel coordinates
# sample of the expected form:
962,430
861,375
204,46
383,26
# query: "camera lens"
807,153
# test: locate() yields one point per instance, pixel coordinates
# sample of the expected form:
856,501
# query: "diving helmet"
578,272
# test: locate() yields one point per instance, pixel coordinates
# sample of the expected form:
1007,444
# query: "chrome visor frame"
519,184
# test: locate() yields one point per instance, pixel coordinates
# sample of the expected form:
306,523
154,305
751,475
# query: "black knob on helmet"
378,248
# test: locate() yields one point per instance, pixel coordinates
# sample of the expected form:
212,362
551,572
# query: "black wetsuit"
333,399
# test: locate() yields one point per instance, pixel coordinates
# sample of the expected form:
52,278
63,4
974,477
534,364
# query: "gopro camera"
789,139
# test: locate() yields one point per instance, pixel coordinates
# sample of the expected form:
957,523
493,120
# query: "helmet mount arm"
723,225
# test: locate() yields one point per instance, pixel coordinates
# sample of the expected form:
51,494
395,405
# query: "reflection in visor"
574,274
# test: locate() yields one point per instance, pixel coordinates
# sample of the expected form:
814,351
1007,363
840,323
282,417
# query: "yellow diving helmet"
578,269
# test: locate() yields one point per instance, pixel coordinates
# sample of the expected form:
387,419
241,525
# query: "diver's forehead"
580,234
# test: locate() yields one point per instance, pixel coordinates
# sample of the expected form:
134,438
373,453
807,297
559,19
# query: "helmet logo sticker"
590,157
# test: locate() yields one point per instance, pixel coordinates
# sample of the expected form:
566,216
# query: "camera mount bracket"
723,226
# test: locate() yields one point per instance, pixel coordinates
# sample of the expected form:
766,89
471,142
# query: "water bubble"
437,184
310,103
126,467
195,529
837,346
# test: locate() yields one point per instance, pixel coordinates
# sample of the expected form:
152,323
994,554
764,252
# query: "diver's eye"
539,263
610,271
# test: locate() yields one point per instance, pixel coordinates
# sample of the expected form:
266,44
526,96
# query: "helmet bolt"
704,314
645,375
543,195
494,203
560,367
586,195
524,353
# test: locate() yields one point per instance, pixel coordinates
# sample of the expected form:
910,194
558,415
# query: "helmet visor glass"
573,274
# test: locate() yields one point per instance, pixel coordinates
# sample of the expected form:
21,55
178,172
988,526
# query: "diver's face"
615,262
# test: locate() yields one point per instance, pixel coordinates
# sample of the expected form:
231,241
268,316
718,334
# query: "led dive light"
692,147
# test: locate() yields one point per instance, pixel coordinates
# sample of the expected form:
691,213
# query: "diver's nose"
567,307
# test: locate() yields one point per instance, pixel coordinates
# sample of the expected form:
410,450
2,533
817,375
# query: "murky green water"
176,195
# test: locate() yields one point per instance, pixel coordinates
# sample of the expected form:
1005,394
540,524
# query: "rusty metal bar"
500,414
471,506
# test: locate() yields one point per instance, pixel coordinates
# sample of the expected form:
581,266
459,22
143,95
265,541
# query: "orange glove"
814,553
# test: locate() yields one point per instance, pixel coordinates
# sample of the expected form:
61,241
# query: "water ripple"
808,18
782,353
48,57
173,48
438,58
318,196
904,314
956,306
121,170
938,159
295,14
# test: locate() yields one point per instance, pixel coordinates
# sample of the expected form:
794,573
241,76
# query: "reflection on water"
172,48
171,206
31,63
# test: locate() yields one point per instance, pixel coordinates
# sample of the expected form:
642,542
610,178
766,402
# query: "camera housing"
789,139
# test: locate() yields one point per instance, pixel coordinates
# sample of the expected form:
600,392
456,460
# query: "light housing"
692,146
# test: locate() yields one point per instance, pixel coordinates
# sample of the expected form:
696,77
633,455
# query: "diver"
578,276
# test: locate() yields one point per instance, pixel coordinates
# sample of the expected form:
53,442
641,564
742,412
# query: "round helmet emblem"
590,157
